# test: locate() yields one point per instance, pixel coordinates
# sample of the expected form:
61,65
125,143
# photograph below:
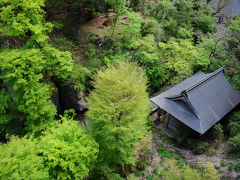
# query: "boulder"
70,98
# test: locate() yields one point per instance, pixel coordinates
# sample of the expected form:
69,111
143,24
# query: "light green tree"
182,57
25,101
21,17
118,108
19,160
68,152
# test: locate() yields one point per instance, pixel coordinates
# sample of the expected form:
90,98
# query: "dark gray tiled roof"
200,101
231,10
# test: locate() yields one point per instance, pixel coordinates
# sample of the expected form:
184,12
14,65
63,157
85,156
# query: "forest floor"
221,161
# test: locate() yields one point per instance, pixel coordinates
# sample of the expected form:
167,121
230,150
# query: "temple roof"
200,101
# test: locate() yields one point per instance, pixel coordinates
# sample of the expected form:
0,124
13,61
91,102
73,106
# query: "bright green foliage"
58,63
30,95
175,170
178,55
184,33
67,151
208,171
78,77
182,57
118,109
148,56
133,30
19,160
24,74
18,17
235,24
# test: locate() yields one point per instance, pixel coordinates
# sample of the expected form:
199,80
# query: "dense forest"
76,77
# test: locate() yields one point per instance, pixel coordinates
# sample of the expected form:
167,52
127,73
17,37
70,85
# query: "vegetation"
148,46
20,160
118,107
175,170
67,151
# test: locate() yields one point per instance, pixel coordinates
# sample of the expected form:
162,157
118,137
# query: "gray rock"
70,98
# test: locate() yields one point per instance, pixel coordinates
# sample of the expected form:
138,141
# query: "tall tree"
118,109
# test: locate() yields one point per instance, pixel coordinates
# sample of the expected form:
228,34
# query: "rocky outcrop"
69,98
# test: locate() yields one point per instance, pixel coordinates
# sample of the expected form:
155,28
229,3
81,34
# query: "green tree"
67,151
21,17
19,160
133,31
120,8
118,108
26,90
182,57
26,96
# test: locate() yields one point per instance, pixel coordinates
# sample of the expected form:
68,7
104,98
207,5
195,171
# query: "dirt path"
188,156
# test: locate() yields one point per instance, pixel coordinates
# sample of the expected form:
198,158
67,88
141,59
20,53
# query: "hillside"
76,81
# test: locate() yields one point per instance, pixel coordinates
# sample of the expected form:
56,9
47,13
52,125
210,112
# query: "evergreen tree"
118,108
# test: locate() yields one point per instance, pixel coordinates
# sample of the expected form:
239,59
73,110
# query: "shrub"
184,33
205,23
19,160
178,55
151,27
234,125
118,110
165,153
143,151
132,31
200,147
67,151
174,170
208,171
234,143
218,131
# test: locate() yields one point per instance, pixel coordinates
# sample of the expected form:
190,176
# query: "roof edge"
203,80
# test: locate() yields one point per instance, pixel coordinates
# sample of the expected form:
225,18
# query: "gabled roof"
200,101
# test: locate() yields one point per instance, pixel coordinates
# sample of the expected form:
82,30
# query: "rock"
108,22
70,98
4,43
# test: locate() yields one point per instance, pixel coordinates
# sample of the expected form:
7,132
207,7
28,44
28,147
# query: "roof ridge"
211,75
